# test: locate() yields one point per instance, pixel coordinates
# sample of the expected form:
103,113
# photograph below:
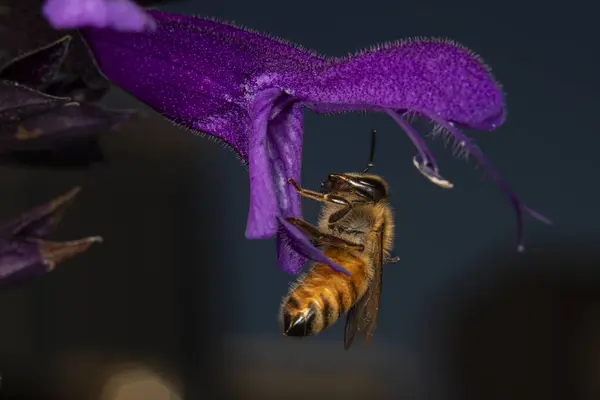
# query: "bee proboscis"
355,230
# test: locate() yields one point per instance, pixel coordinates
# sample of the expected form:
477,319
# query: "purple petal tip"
300,244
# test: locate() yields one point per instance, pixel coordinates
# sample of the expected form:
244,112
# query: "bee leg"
391,260
324,198
319,237
338,215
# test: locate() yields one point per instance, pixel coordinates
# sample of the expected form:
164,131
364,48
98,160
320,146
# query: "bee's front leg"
324,198
316,236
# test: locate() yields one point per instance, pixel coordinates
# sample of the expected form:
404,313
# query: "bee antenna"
372,154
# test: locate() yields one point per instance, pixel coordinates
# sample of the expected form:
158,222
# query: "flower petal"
438,76
23,251
19,260
288,259
264,206
300,243
197,72
54,253
285,139
199,92
122,15
25,259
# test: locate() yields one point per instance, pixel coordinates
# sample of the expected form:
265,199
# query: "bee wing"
363,316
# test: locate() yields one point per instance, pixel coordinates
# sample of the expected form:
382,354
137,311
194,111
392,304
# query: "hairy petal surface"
264,206
437,76
199,73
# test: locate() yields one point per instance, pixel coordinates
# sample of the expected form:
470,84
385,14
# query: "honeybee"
355,230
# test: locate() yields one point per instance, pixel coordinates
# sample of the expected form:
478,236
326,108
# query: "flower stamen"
424,161
518,205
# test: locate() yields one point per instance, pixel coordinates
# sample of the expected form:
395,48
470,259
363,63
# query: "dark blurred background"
177,287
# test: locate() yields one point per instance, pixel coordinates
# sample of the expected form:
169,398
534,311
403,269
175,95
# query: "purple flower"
122,15
249,90
24,251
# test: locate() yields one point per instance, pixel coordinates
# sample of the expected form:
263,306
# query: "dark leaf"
38,68
23,30
59,126
81,78
18,101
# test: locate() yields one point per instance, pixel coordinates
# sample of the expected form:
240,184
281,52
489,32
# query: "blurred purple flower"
249,90
47,79
33,121
122,15
24,251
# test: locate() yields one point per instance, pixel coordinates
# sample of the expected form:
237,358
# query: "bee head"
371,188
368,187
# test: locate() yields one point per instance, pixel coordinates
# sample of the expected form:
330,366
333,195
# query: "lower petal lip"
490,123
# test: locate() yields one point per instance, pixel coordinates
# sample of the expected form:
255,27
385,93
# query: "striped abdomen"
322,296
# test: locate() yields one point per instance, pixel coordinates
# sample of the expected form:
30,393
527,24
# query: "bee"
355,230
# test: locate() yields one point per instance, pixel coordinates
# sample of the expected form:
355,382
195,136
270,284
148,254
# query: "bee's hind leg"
319,237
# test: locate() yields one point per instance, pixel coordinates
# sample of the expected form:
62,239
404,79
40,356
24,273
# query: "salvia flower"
249,90
122,15
25,251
